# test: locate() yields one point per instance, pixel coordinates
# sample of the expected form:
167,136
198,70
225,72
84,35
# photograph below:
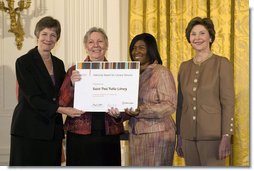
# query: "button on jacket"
205,109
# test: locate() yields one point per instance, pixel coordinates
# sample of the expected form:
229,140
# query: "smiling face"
200,38
96,46
139,53
47,39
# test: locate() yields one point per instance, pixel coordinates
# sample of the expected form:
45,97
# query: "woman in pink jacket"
151,127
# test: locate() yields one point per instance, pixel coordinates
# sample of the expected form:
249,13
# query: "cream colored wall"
76,17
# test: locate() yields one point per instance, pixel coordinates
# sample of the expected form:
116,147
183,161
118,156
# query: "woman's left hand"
224,148
114,112
131,112
179,149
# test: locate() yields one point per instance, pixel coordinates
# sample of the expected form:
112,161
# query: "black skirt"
33,152
96,149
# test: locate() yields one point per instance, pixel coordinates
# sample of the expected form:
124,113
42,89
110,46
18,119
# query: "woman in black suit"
37,125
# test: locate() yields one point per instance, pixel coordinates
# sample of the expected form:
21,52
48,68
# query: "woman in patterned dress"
151,127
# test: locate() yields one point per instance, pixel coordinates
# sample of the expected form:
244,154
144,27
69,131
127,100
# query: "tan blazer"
205,108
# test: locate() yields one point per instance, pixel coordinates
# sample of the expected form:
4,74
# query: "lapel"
42,68
56,71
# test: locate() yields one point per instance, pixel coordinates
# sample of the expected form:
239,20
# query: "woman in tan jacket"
205,108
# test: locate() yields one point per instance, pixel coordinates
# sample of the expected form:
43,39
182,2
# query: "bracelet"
226,135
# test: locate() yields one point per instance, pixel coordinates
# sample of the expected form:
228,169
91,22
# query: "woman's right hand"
116,114
75,76
70,111
179,149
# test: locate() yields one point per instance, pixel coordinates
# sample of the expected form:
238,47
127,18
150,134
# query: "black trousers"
93,150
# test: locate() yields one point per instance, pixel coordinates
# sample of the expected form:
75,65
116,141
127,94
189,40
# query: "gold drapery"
167,20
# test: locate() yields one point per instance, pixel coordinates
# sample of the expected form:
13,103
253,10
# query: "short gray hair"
95,29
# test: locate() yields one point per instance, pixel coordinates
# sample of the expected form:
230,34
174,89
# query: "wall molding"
4,155
79,17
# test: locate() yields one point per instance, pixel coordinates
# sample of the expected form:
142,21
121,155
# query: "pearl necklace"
200,62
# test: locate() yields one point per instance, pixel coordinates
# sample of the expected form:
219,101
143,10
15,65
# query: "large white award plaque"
107,84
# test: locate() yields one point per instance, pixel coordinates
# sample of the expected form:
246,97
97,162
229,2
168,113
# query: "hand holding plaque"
107,84
131,112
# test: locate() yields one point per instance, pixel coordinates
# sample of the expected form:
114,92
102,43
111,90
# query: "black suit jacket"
35,115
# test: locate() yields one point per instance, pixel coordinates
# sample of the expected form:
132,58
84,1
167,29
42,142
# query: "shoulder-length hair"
206,22
151,46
